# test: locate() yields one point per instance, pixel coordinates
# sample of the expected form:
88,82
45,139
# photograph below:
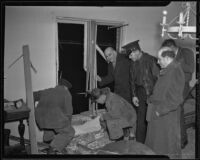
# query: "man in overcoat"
118,71
163,114
143,75
53,114
120,117
186,57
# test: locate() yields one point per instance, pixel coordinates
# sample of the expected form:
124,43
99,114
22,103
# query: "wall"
35,26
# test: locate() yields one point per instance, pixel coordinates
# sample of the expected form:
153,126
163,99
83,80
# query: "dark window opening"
71,48
71,39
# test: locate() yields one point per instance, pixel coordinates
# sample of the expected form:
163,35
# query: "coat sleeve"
108,78
187,63
68,108
37,95
132,80
150,75
173,93
155,70
113,109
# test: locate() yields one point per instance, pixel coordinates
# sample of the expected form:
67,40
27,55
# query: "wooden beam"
101,52
29,99
93,61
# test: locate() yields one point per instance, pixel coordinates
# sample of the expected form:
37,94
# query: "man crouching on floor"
120,118
53,114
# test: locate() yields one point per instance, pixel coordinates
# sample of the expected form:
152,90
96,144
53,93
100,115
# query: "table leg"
21,129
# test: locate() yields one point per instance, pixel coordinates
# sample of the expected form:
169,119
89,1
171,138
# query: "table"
18,115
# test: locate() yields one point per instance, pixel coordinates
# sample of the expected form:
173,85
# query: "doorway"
70,42
105,38
70,57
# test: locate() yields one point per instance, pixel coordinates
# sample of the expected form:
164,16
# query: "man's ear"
168,59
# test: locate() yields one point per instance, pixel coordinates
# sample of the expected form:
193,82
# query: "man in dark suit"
143,75
118,71
186,57
53,114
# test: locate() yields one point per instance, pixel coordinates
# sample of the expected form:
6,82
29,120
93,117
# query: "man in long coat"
143,75
118,71
53,114
186,57
163,114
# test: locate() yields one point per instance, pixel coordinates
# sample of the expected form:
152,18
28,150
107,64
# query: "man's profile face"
162,61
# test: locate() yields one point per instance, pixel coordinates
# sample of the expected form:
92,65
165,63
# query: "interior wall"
36,26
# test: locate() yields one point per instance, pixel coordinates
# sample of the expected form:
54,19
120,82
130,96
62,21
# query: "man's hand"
135,101
102,122
101,118
157,114
98,78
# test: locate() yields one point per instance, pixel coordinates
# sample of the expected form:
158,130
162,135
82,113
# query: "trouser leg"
183,129
182,120
62,138
141,116
48,135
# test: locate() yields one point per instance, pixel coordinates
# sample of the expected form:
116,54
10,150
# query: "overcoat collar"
168,68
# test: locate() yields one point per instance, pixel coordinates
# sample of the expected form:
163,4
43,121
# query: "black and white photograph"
100,80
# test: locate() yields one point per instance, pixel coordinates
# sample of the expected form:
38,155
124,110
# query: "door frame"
114,23
75,20
85,22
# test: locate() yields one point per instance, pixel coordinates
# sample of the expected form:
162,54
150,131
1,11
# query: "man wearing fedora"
53,114
143,75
